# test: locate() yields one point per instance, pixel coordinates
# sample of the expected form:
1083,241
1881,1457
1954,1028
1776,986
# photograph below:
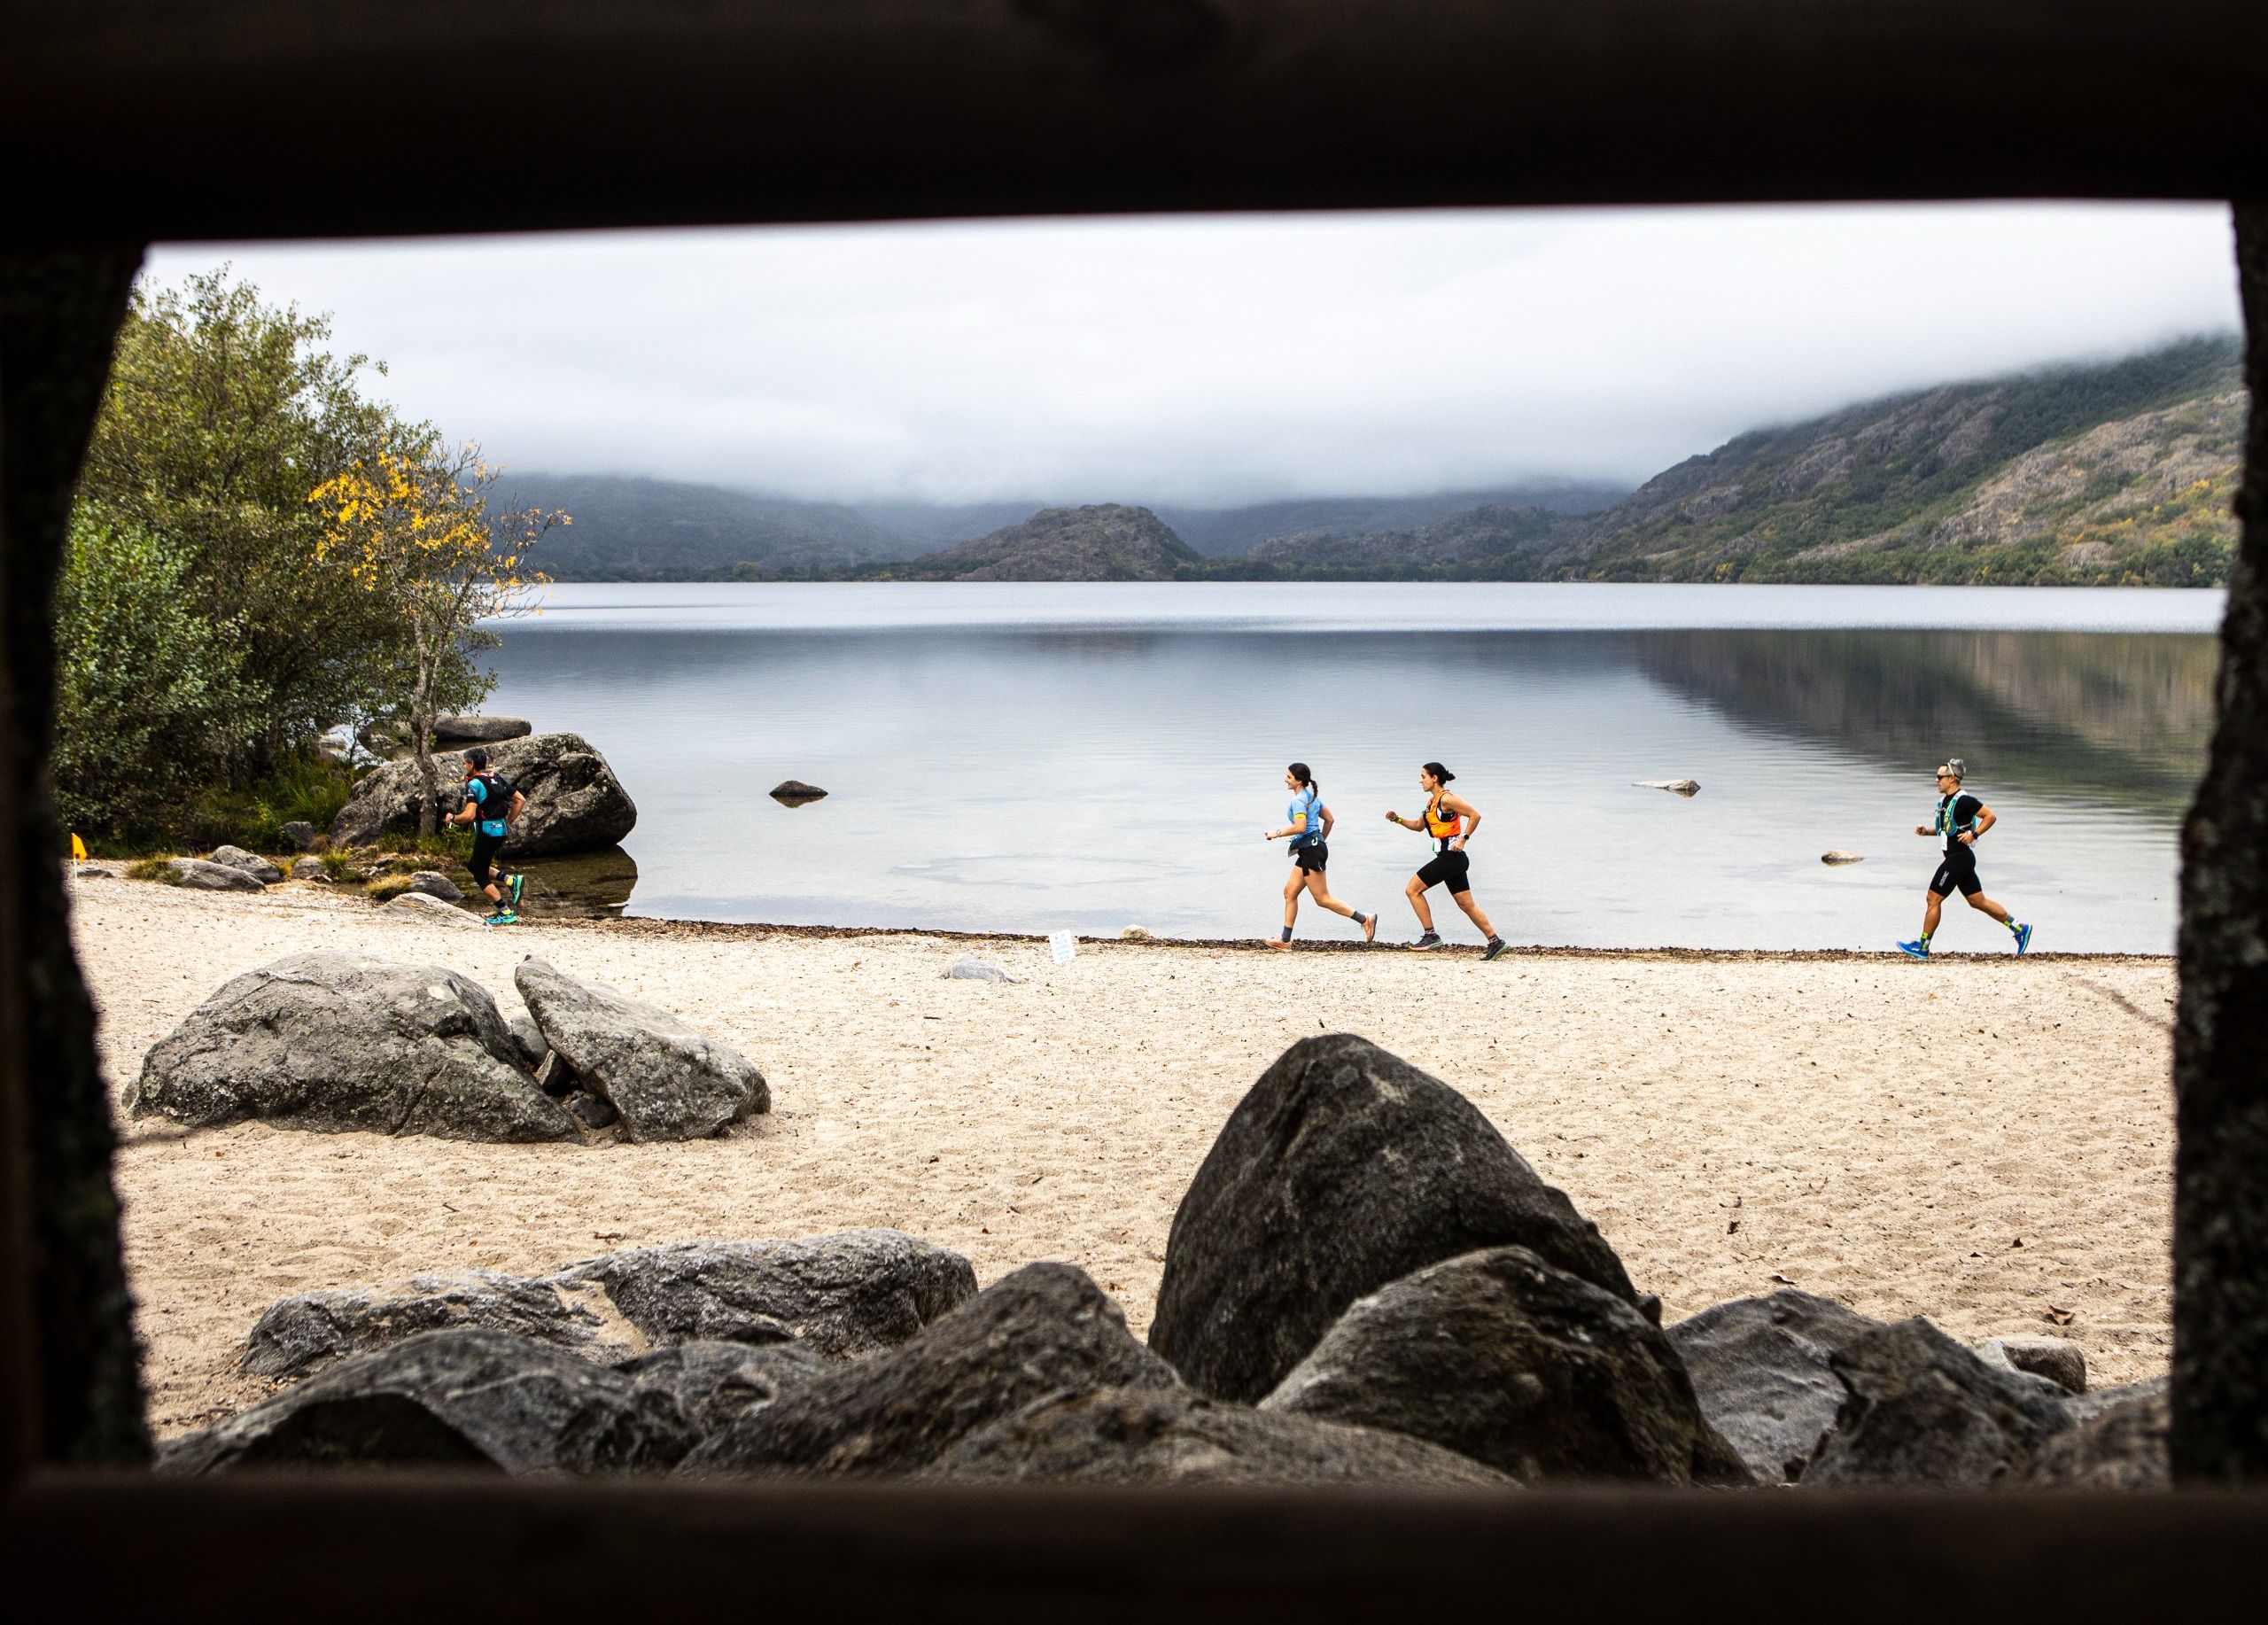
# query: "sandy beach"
1976,1139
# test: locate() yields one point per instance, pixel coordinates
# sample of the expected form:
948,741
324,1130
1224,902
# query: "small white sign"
1065,945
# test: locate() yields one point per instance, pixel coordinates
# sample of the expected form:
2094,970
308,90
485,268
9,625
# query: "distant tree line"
258,553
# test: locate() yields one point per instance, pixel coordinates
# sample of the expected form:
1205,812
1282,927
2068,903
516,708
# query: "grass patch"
159,869
387,887
307,789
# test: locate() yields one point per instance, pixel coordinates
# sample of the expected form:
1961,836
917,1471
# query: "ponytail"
1298,770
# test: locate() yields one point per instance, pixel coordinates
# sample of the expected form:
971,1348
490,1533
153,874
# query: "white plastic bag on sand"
1065,944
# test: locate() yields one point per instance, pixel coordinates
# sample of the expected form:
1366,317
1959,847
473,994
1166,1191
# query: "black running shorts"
485,848
1311,857
1451,869
1957,873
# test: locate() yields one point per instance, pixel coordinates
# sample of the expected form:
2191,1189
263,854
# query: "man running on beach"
491,806
1450,821
1961,818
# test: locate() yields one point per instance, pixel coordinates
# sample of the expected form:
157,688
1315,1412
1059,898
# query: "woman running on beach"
1450,821
1309,827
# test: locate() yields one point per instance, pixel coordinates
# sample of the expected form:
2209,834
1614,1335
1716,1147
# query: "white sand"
1974,1140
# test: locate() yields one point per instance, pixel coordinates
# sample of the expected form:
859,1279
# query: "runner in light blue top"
1310,823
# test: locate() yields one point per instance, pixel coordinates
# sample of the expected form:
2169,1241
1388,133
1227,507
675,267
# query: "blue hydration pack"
493,793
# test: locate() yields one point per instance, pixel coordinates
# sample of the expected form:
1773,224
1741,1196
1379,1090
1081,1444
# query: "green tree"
223,415
151,696
419,534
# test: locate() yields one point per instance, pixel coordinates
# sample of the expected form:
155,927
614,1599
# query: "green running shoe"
516,885
503,916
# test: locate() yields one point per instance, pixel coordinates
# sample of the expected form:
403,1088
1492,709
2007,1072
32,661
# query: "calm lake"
1087,757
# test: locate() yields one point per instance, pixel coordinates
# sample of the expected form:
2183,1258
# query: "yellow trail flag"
78,849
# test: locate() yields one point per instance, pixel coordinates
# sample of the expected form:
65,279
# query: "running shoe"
1915,950
2024,939
516,885
503,916
1431,939
1495,946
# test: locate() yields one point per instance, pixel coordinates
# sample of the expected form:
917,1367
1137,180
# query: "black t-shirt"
1965,809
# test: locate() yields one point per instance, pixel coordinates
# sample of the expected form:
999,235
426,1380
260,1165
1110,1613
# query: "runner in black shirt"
1961,818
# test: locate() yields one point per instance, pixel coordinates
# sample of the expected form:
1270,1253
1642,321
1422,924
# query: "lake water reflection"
1036,758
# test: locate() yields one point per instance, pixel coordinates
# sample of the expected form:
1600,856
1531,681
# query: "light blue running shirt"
1308,801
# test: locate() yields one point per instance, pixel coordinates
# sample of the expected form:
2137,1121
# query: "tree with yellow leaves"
418,532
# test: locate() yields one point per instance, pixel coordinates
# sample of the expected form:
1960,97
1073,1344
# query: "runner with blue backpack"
490,804
1308,831
1961,818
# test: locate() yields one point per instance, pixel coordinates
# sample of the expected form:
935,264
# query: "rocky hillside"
660,529
2082,476
1105,542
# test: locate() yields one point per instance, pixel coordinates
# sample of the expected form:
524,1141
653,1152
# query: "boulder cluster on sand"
339,1042
1365,1285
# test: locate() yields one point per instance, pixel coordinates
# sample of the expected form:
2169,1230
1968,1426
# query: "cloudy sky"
1230,359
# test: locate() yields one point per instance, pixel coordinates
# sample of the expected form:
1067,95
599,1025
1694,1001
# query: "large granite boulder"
1502,1358
469,1397
844,1295
2059,1359
1152,1436
1762,1369
837,1296
2121,1445
574,802
312,1330
1345,1169
1046,1330
1922,1410
251,863
342,1041
714,1385
668,1081
202,875
423,907
471,730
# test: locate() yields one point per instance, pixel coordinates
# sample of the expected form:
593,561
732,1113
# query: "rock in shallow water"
1502,1358
1345,1169
795,792
668,1081
1154,1436
342,1041
1045,1331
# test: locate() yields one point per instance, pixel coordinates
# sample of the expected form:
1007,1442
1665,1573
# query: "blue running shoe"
2024,939
503,916
1915,950
513,885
